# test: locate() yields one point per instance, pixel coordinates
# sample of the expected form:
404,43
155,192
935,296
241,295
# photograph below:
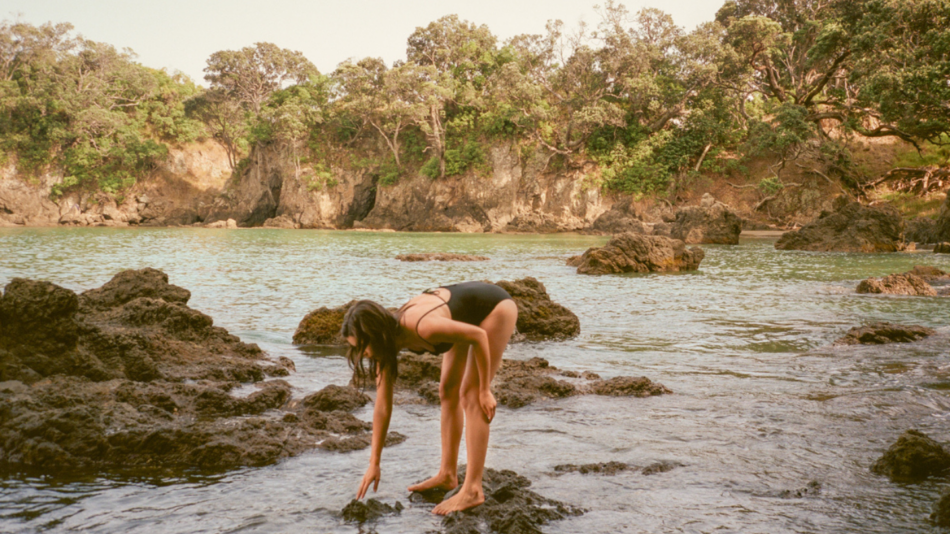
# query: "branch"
824,79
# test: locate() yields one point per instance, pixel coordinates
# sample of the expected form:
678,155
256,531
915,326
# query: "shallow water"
761,403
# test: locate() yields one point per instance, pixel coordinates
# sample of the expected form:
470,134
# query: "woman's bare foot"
462,500
445,481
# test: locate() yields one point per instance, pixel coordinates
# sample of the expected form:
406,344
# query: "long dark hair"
373,326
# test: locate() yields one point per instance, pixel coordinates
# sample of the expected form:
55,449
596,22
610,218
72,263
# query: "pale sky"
182,34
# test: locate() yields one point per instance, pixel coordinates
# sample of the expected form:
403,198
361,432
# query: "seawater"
762,403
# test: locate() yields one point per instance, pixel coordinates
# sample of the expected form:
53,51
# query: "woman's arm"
439,329
382,413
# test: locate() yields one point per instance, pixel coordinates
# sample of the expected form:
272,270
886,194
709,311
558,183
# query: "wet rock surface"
712,222
440,256
128,376
912,458
509,507
632,253
851,227
897,284
539,317
322,326
812,489
603,468
883,333
371,510
523,382
941,510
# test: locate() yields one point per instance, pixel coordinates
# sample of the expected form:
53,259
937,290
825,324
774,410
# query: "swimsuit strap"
444,303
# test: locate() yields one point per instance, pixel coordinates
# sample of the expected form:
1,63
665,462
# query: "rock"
712,222
928,274
897,284
127,375
850,228
812,489
941,510
232,224
509,507
440,256
920,230
283,221
659,467
605,468
632,253
540,318
662,229
912,458
942,248
519,383
620,218
371,510
882,333
322,326
941,230
626,386
217,224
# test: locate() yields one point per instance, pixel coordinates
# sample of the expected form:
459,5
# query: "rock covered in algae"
851,227
128,376
322,326
634,253
883,333
912,458
370,510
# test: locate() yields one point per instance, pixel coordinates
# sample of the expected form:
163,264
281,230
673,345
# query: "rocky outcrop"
912,458
920,230
883,333
509,507
941,510
897,284
127,375
851,227
440,256
523,382
615,468
539,317
942,248
632,253
322,326
712,222
371,510
622,217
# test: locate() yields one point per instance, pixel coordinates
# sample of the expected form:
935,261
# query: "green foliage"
770,185
929,154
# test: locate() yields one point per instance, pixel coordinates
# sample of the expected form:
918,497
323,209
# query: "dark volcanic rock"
540,318
850,228
519,383
322,326
912,458
811,489
371,510
440,256
604,468
881,333
628,386
127,375
632,253
712,222
509,508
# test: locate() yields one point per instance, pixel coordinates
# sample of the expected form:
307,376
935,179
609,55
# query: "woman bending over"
470,325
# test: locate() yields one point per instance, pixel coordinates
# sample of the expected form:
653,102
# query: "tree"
225,119
251,74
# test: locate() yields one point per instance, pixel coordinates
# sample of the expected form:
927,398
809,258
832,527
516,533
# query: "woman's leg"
499,325
453,369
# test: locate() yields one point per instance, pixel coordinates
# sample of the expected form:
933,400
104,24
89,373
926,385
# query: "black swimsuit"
469,302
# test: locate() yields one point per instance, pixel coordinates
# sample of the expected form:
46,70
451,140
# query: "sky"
180,35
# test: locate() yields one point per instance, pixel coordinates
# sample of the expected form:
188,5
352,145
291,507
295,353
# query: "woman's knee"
449,392
468,396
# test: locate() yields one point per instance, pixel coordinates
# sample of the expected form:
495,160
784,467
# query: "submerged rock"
603,468
882,333
127,375
811,489
712,222
539,317
632,253
912,458
897,284
371,510
941,510
440,256
509,507
322,326
850,228
522,382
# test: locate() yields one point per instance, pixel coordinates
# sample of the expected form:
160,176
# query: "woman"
470,324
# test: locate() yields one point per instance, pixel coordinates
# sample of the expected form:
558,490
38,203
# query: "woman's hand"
487,401
370,477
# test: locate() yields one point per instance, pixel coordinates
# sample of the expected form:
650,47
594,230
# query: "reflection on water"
763,405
